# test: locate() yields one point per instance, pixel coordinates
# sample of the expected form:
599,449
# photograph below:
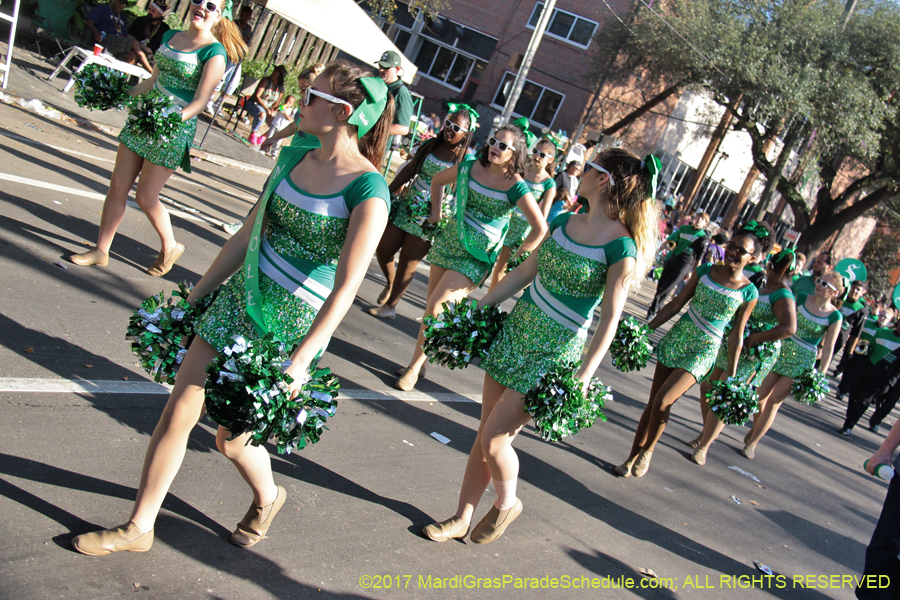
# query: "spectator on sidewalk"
390,71
149,29
106,26
567,191
265,101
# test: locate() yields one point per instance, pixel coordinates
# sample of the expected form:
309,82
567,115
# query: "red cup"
97,49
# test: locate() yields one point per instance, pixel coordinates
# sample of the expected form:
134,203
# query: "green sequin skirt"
686,347
288,317
449,254
405,211
172,153
747,367
529,344
794,360
518,231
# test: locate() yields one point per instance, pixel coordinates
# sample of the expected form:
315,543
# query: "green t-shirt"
683,237
403,102
806,284
885,346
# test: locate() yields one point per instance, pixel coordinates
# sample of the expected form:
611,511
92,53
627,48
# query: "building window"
538,103
443,64
565,26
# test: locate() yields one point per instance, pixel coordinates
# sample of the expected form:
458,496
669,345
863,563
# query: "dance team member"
606,250
538,178
304,80
404,233
775,318
487,190
189,65
302,261
818,320
718,295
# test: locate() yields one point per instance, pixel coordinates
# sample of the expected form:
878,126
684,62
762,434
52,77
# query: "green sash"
488,255
287,160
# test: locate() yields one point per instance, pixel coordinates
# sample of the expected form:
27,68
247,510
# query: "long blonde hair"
630,200
230,36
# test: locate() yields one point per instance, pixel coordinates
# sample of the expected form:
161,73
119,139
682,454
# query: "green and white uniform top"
763,316
810,328
884,346
414,207
869,328
518,224
713,306
180,71
683,237
571,277
488,210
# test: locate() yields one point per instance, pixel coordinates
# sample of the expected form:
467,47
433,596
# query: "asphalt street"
78,413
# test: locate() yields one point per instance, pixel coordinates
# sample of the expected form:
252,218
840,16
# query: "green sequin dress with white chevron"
485,223
518,224
179,76
761,319
549,324
693,343
413,206
798,352
301,245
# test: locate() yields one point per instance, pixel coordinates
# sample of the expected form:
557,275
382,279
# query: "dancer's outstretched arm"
445,177
676,304
535,218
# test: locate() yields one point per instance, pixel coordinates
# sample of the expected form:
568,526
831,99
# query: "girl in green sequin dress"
774,319
538,177
818,321
718,295
189,66
412,206
294,270
587,260
487,190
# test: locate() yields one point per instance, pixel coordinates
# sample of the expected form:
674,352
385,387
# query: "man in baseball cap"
389,70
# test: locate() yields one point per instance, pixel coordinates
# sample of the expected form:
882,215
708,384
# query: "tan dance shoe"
93,257
124,538
642,463
407,381
383,296
694,443
749,451
165,261
624,470
699,456
451,529
384,312
253,527
495,523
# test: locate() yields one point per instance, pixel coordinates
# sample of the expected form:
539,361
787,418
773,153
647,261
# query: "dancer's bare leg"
767,413
125,173
153,180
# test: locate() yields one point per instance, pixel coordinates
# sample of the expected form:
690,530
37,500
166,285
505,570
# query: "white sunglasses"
307,93
602,170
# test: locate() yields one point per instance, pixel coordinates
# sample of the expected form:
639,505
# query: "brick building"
470,53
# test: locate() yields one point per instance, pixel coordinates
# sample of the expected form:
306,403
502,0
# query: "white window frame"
547,31
424,71
543,89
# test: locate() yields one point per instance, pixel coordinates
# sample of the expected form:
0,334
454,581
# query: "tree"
386,8
881,254
799,68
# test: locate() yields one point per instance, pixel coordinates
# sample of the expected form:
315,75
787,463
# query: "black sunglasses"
448,124
210,6
735,248
501,146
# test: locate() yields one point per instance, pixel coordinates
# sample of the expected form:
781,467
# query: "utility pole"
519,82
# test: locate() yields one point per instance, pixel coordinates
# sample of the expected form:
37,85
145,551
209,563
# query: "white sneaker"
232,228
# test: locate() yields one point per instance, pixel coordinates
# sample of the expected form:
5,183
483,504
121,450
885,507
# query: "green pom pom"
513,263
811,387
732,401
764,351
558,406
631,347
155,115
462,333
161,329
247,391
102,88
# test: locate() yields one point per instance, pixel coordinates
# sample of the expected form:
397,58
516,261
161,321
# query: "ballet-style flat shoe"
451,529
699,456
694,443
93,257
383,312
383,296
624,470
253,527
407,381
748,452
747,437
124,538
165,261
642,464
495,523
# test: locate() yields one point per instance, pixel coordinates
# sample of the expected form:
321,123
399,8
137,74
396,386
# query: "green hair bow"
530,138
473,115
756,228
653,166
228,10
367,114
785,252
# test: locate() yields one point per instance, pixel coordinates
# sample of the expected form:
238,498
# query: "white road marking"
26,140
25,385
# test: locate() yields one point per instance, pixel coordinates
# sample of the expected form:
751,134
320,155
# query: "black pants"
883,553
874,384
855,365
884,405
673,272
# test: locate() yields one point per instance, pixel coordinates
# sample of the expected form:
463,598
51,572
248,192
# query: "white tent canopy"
344,25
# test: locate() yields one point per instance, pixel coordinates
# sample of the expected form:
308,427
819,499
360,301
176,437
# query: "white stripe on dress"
477,187
558,311
598,254
332,206
294,283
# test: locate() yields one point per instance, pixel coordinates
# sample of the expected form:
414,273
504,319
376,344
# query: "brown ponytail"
230,36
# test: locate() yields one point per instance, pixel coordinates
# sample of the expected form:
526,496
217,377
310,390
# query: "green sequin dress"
482,205
693,343
798,352
761,319
179,76
302,242
413,206
549,324
518,224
